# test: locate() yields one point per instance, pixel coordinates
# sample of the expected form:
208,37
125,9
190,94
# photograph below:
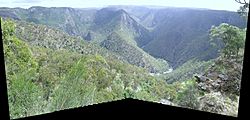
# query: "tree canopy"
232,37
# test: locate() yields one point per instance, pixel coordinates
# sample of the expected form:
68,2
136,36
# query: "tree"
232,37
243,10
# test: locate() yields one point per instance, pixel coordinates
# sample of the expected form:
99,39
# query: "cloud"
27,1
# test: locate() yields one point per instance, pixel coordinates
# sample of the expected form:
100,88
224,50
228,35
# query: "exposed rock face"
217,103
221,84
224,77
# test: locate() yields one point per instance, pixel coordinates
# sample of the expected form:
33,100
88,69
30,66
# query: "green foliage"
130,52
25,97
232,37
73,90
18,56
119,49
173,39
50,70
186,71
181,35
188,95
53,66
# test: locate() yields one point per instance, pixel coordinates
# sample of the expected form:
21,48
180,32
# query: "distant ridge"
168,33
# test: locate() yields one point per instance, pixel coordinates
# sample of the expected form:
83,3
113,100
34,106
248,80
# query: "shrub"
188,96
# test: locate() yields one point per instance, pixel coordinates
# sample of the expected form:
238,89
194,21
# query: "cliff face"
221,85
223,76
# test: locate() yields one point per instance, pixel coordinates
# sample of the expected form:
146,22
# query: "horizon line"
106,6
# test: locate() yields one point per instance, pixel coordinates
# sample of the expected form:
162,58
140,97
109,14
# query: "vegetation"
41,35
221,82
42,79
232,37
50,66
179,41
169,37
187,71
188,97
23,89
244,9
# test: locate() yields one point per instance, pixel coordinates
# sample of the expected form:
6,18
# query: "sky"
230,5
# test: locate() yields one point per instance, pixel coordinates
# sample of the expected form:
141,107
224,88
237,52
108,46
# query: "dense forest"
59,61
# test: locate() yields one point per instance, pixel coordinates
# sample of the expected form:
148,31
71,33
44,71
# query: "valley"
161,33
71,57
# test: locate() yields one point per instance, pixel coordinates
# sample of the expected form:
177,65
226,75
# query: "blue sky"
230,5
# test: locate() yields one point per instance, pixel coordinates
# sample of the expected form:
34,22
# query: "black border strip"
243,103
4,105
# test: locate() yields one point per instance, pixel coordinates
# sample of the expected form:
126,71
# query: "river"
166,72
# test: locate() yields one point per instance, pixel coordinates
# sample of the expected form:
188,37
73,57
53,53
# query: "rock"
214,84
218,81
212,75
213,65
166,102
204,87
223,77
217,103
201,78
200,84
236,66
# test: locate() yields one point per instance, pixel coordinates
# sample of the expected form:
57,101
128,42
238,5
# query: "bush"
188,96
25,97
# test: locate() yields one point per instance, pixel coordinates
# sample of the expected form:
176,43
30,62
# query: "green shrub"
25,97
188,95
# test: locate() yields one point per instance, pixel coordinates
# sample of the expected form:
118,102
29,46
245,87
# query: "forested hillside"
176,56
183,34
42,78
41,35
176,35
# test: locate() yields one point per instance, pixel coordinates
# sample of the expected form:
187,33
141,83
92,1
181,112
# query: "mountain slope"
48,37
110,20
176,35
73,21
182,34
133,54
95,26
46,78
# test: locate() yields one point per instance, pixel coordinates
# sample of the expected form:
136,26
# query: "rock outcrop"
223,76
221,86
215,102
